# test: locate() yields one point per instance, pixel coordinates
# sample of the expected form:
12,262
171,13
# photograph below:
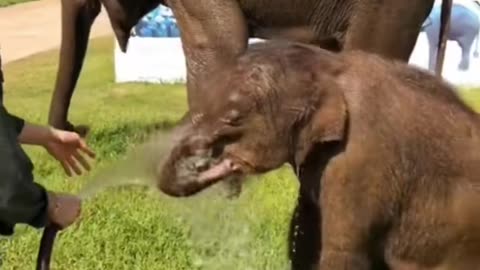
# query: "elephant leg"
466,45
432,56
305,235
432,32
475,53
432,48
201,37
77,20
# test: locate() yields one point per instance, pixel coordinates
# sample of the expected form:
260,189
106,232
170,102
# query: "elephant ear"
327,123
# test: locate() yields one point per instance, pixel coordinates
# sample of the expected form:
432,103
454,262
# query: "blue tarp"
160,22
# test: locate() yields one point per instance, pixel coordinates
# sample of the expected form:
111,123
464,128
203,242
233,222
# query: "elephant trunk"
171,181
178,175
192,164
186,176
77,19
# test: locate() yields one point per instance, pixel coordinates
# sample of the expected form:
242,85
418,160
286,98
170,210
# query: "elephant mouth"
216,172
195,173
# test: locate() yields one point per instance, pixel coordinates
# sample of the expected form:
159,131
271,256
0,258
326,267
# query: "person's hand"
63,209
69,149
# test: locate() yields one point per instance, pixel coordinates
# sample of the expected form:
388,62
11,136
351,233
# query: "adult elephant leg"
304,236
432,38
213,33
466,46
77,19
432,53
389,28
475,52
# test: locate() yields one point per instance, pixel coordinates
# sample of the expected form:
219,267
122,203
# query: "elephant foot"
463,66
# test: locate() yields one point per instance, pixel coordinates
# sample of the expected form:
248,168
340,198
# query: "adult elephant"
215,32
464,29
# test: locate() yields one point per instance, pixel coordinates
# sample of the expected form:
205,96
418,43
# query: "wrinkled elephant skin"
386,180
215,32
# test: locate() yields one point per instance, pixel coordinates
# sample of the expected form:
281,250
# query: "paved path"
33,27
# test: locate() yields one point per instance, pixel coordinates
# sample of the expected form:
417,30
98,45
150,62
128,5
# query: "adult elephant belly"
322,23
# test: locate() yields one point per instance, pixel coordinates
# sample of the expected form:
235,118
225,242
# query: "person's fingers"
72,139
73,164
82,161
88,151
66,168
84,148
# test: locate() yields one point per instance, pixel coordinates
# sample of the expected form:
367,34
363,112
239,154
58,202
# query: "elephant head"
273,107
77,19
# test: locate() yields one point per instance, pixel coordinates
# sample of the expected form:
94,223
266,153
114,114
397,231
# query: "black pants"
1,81
1,87
21,199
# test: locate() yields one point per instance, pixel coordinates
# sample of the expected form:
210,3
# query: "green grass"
5,3
133,227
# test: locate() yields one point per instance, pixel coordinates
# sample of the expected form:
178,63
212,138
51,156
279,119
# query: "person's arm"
35,135
29,133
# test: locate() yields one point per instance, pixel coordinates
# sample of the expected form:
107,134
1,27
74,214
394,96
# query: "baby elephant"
388,157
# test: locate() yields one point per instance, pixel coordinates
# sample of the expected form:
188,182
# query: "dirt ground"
33,27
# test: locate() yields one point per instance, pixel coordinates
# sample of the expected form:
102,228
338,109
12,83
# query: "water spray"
138,168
